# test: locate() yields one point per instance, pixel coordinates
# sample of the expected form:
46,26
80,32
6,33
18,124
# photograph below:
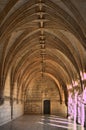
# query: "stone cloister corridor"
42,64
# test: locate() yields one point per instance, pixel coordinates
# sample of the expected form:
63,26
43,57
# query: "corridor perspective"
42,64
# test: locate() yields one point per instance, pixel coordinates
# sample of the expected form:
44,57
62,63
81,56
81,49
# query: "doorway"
46,106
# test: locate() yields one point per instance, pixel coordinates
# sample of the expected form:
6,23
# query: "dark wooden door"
47,107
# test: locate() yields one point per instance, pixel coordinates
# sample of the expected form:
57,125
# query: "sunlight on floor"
59,122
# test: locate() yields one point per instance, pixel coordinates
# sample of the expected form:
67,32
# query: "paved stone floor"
33,122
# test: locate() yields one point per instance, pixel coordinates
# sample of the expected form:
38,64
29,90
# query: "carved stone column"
79,109
83,121
70,106
85,117
75,106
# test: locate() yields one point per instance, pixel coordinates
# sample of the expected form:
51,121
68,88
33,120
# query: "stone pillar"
83,119
70,106
79,110
75,106
82,114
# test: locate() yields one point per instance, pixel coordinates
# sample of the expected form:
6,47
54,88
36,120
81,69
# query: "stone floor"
33,122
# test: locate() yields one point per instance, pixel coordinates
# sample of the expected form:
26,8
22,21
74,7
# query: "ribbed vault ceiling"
41,38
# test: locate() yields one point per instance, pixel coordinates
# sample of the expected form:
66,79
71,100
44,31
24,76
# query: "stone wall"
18,110
58,109
41,91
7,112
33,107
36,107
